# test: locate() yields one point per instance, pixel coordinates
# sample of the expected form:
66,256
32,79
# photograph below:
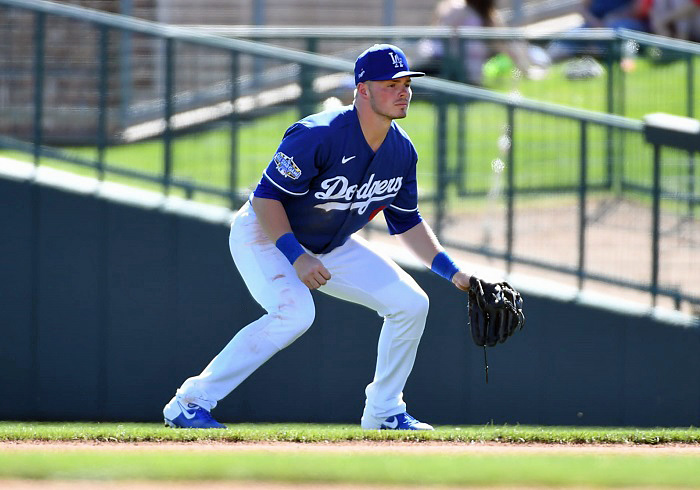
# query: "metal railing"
500,173
610,46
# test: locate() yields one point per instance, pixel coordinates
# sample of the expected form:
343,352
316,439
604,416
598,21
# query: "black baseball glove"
495,311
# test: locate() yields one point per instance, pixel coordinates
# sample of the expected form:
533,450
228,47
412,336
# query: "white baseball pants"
358,274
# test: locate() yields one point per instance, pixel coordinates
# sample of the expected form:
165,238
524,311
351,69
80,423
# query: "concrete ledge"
120,193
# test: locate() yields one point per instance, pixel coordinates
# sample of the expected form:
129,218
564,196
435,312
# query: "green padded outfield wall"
107,303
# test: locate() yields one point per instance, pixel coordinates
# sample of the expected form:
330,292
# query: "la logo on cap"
396,60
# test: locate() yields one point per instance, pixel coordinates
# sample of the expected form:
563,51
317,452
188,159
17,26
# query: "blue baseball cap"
382,62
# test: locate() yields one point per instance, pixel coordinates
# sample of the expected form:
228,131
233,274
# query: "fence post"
690,109
510,189
441,144
655,223
460,69
675,132
461,163
307,102
39,51
610,108
441,155
103,87
583,176
126,7
167,132
259,18
233,134
690,85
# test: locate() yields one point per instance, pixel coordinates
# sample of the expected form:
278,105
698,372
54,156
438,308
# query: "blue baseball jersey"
331,183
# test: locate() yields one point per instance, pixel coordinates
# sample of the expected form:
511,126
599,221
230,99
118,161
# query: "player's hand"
311,271
461,280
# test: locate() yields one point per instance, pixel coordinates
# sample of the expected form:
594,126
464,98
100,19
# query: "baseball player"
332,173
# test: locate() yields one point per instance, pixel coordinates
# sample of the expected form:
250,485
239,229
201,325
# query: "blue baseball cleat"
401,421
192,416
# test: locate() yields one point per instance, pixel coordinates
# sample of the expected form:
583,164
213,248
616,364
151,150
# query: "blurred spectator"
531,61
676,18
627,14
612,14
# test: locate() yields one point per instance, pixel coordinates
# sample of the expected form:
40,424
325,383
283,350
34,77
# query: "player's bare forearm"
424,244
275,223
272,217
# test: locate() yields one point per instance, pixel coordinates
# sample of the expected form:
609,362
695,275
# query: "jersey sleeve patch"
286,166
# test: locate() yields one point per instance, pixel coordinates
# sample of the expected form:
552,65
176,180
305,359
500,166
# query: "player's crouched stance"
331,174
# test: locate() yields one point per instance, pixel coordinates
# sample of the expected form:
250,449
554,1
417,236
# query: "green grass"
383,465
144,432
357,468
650,87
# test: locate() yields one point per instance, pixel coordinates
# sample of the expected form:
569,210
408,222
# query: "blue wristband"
289,246
443,266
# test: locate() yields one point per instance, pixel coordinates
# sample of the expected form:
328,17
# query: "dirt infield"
435,447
